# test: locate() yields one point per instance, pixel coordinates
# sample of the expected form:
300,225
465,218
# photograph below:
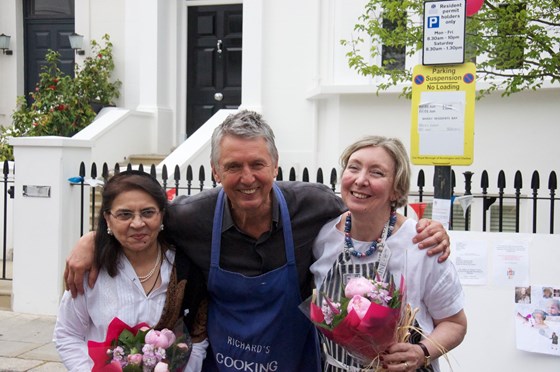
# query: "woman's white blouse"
87,316
433,288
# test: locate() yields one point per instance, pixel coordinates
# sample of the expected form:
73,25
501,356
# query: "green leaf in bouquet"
127,338
395,302
343,312
132,341
132,368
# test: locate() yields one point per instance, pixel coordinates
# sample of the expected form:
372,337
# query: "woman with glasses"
136,272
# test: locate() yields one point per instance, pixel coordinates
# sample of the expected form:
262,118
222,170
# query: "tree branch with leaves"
515,45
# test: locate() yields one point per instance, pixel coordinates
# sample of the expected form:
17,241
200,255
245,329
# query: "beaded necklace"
376,244
146,277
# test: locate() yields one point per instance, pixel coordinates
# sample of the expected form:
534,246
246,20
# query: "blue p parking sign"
433,22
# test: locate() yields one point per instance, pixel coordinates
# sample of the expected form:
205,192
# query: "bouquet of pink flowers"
365,320
139,348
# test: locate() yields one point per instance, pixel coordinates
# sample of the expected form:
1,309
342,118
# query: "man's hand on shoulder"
78,263
432,235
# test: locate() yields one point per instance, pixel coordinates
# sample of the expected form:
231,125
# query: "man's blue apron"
254,323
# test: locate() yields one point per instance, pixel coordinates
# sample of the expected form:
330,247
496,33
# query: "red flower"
55,80
100,55
61,107
52,87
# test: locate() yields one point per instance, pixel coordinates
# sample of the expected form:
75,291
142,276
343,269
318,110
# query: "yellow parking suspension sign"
442,130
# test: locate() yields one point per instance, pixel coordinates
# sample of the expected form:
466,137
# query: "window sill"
326,91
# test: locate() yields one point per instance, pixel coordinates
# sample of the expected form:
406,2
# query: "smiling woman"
372,241
131,222
136,271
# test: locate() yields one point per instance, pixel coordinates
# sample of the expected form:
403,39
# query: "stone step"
145,159
6,300
6,287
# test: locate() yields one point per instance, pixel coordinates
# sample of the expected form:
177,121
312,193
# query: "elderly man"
252,239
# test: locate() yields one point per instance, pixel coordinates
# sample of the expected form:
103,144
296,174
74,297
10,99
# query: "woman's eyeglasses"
145,214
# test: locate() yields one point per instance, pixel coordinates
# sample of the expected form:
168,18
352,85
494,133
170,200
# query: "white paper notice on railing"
441,123
470,258
511,263
441,211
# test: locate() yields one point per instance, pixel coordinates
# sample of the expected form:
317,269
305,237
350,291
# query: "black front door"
213,62
47,24
42,36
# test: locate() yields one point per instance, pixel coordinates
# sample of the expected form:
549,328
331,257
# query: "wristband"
426,354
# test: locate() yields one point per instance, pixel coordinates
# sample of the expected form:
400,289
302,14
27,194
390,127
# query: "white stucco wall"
92,20
490,343
511,133
11,66
46,225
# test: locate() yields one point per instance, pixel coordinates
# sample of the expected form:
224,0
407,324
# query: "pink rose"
360,305
161,367
163,338
135,359
358,287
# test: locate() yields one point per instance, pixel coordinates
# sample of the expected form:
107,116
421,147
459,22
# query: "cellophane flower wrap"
139,348
365,320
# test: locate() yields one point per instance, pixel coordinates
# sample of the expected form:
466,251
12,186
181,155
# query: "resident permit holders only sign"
442,130
444,32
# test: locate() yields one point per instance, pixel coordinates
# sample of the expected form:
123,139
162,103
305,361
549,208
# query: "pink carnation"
135,359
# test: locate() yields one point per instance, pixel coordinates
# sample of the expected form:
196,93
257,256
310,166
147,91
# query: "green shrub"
61,105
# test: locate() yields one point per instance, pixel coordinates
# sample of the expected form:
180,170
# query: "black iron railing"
180,184
503,210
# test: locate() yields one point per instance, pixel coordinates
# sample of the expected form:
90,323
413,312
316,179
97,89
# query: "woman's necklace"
376,244
155,282
147,277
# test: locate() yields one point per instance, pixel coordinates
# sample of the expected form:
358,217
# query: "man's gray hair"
244,124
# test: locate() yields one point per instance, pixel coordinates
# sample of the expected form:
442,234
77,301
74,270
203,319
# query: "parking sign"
433,22
444,32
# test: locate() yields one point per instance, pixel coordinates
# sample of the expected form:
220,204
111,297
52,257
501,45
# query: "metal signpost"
443,94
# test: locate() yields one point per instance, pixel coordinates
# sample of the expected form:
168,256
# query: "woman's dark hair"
107,247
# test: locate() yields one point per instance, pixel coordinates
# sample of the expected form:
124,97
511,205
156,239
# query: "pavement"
25,339
26,343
